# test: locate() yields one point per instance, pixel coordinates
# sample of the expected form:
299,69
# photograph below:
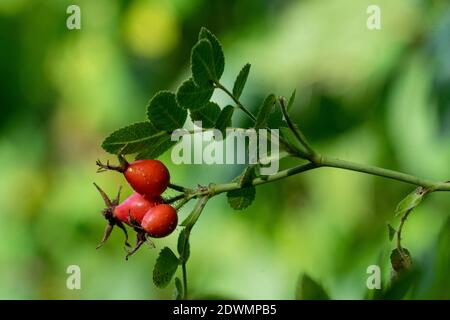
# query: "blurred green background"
378,97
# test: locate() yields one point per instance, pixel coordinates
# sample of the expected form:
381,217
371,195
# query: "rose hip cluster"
145,209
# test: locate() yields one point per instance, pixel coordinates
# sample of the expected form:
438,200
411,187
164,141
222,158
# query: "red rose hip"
135,206
160,221
148,177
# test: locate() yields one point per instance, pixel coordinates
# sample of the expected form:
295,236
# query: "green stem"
175,199
220,188
178,188
335,163
185,282
236,101
399,237
201,203
381,172
182,203
399,231
296,131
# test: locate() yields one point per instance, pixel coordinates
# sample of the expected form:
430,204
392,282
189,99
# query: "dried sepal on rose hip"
146,177
159,221
141,237
130,211
108,214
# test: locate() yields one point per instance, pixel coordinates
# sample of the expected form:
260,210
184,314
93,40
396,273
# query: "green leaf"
309,289
240,81
190,96
224,119
241,198
248,175
276,119
133,138
190,221
208,115
411,201
391,231
202,64
164,112
178,289
157,147
183,245
291,101
265,111
218,56
165,267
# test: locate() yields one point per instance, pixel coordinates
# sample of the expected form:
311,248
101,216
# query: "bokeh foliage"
379,97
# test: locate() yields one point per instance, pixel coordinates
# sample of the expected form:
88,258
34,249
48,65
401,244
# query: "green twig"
381,172
399,231
236,101
200,205
296,131
175,199
215,189
182,203
185,282
178,188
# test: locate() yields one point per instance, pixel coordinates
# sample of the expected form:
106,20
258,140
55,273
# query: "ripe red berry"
160,221
135,206
148,177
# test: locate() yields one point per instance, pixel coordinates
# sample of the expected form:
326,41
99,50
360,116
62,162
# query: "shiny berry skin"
148,177
135,206
160,221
